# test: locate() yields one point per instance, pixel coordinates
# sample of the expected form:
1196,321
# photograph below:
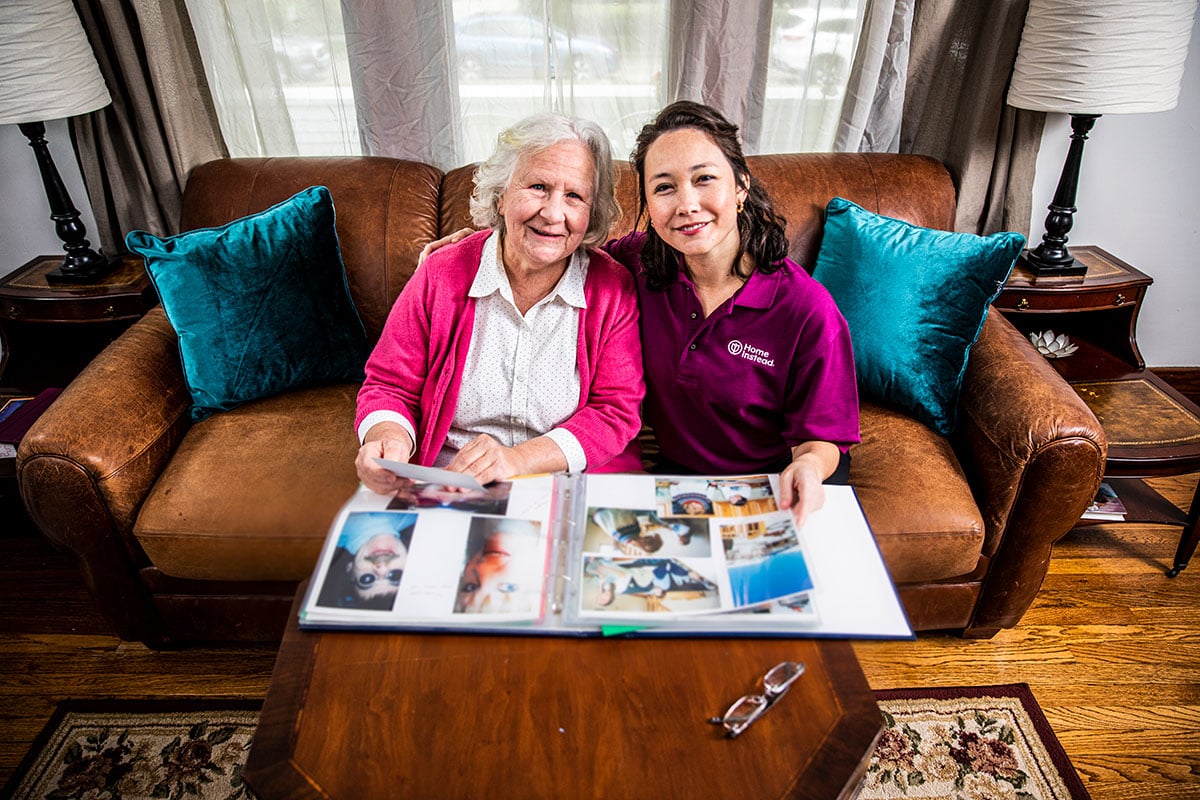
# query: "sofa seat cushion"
915,497
215,512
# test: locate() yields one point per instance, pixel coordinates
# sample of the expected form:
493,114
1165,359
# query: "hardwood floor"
1111,649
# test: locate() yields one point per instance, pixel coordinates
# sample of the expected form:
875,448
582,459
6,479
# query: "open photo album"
599,554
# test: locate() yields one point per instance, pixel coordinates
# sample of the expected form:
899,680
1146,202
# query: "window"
599,60
812,48
595,59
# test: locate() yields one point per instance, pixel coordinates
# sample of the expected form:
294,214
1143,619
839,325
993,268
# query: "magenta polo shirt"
770,368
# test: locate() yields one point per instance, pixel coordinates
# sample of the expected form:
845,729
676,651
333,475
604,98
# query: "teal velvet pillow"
915,300
260,305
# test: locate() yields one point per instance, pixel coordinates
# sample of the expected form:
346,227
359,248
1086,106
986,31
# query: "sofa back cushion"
387,210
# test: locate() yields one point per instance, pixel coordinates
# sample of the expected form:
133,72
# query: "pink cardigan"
416,368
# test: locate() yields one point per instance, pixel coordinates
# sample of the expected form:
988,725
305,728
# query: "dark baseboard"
1185,380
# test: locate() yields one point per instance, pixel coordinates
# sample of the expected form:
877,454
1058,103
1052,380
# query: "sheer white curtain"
603,61
279,76
435,80
813,43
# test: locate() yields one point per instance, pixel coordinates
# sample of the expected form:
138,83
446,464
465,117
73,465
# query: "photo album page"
662,549
627,554
437,556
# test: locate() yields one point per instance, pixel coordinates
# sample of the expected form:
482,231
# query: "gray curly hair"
532,135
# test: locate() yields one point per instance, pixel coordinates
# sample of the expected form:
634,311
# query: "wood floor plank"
1137,768
1128,717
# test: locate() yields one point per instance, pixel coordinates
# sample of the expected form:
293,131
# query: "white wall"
1137,198
1139,187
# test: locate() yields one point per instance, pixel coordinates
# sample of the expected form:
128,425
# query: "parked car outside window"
819,46
302,59
494,46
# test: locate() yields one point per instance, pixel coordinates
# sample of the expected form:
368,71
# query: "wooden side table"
51,331
1152,429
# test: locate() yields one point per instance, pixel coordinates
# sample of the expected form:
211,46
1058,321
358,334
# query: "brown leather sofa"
199,532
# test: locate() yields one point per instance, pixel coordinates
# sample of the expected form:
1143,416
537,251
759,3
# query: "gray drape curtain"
404,78
874,104
135,155
954,109
931,78
720,57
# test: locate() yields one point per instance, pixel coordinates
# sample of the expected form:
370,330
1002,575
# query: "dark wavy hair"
763,232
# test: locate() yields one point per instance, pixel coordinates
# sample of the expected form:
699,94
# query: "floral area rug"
125,749
979,743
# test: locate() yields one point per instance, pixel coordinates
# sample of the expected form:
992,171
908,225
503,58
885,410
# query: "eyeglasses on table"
746,709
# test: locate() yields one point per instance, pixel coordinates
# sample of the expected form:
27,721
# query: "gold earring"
741,204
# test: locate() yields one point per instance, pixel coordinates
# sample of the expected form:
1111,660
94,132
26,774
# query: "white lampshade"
1102,56
47,67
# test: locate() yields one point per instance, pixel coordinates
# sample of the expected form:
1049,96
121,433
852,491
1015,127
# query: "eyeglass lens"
743,712
781,676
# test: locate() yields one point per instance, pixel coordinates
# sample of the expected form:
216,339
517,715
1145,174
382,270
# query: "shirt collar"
757,292
491,276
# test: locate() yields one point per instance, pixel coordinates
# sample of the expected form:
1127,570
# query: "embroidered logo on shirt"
750,353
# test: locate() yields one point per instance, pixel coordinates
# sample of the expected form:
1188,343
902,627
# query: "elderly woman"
516,350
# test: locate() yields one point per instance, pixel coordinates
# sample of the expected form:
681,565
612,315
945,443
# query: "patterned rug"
974,743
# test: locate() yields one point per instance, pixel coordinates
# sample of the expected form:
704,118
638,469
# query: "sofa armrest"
87,463
1034,455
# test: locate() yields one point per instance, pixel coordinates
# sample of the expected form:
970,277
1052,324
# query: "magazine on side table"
1106,506
630,554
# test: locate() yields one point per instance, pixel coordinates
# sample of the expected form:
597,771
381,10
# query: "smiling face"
692,196
378,565
547,206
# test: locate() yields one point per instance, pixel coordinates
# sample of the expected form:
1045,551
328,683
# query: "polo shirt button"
694,315
691,347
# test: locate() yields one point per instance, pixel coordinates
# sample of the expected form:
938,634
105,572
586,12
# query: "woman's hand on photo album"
487,460
800,484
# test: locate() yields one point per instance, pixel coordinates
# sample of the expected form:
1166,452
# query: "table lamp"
48,71
1087,58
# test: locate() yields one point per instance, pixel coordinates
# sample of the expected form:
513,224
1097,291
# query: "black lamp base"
1052,257
85,268
82,264
1043,264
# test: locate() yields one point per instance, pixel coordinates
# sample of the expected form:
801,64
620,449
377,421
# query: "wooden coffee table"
355,715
